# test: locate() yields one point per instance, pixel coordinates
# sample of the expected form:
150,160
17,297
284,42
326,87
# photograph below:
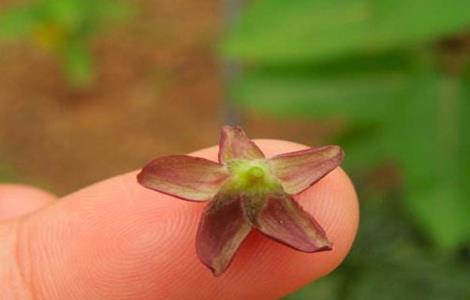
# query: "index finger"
116,239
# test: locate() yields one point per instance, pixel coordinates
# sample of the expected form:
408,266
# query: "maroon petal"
186,177
285,221
299,170
222,229
234,144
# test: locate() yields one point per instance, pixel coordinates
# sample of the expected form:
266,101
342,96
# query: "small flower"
246,191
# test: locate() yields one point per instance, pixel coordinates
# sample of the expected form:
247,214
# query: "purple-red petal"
298,170
234,144
222,229
284,220
182,176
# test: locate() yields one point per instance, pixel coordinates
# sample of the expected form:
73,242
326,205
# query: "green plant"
393,263
373,64
64,27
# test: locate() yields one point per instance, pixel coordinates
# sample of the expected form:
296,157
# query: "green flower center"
255,174
251,175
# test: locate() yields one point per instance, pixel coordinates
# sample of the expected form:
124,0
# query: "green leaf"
366,97
17,22
67,14
364,146
278,31
348,88
325,288
78,65
389,260
398,265
429,137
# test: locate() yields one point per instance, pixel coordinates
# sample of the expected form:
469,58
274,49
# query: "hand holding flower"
246,191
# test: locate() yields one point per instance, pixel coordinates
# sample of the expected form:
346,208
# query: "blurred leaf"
428,136
364,146
413,278
78,65
82,18
349,87
17,22
305,30
389,261
360,97
67,14
325,288
397,264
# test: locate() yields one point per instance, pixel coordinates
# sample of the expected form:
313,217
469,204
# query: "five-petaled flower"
246,191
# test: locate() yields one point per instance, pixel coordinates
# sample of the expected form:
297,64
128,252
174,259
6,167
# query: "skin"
118,240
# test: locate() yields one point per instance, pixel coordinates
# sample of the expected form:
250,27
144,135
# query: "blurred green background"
389,80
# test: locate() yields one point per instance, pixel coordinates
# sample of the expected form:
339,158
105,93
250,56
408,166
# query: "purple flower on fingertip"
245,191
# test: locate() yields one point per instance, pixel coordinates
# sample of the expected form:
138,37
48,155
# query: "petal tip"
217,272
142,178
141,175
340,153
325,245
235,144
227,128
334,153
216,268
301,169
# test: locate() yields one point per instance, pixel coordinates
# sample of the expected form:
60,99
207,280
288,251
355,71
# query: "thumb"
117,240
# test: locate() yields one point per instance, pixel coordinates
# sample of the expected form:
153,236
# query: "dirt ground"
158,91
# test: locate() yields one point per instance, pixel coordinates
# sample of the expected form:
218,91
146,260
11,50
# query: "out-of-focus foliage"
392,263
397,76
274,31
64,27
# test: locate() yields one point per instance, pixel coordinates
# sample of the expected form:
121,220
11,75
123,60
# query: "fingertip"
122,239
268,269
